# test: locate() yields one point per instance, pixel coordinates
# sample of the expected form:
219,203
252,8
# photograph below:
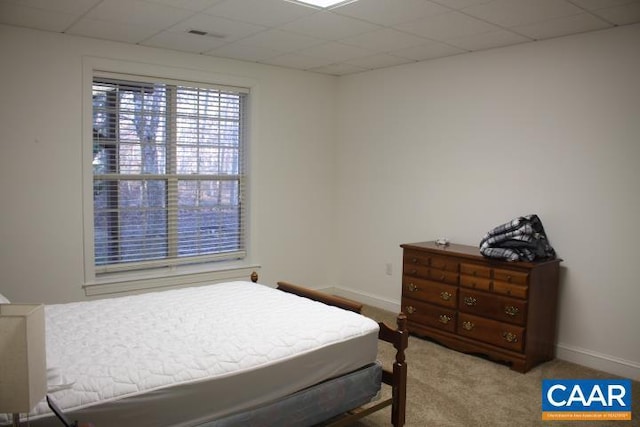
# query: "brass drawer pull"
446,296
470,301
414,272
411,309
442,277
412,287
509,279
414,260
511,311
468,325
444,318
509,337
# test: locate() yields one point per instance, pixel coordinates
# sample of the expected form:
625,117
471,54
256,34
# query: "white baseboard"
602,362
591,359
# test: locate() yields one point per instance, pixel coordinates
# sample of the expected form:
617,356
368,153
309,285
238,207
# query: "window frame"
125,279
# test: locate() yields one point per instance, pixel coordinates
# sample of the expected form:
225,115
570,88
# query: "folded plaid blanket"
521,239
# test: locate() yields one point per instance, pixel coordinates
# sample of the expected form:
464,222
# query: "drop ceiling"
359,36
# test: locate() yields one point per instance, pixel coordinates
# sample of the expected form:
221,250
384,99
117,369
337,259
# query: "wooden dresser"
504,310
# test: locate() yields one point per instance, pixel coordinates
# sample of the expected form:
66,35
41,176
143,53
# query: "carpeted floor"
451,389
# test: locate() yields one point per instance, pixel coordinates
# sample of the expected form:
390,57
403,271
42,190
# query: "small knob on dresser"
511,311
510,337
470,301
444,319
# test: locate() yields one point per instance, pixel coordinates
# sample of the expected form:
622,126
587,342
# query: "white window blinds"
168,173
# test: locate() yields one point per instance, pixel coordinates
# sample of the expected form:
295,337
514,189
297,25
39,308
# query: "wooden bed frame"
396,378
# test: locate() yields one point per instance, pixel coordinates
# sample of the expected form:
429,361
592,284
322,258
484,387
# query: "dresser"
473,304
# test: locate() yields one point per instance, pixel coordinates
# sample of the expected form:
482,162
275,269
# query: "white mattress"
185,356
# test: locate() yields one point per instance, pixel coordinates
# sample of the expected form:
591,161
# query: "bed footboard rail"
334,300
396,377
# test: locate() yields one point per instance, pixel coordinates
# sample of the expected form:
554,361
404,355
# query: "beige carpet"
448,388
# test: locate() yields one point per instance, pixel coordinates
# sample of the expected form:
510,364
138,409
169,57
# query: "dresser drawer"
475,270
491,331
416,270
510,289
495,307
432,292
475,282
444,276
444,264
416,258
429,315
510,276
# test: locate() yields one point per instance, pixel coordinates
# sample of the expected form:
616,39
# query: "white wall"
41,219
453,147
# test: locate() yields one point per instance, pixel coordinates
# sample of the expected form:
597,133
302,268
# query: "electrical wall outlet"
388,269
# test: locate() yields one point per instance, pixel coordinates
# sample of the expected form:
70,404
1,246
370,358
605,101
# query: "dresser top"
467,251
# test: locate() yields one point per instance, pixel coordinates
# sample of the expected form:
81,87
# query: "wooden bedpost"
397,377
254,277
399,390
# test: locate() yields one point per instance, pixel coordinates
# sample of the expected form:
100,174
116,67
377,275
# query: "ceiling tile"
380,60
336,52
227,29
280,40
460,4
66,6
446,26
428,50
510,13
23,16
329,26
112,31
384,40
385,12
195,5
183,41
261,12
562,26
244,52
488,40
339,69
137,12
621,15
601,4
298,61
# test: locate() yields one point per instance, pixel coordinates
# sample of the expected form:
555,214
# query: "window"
168,173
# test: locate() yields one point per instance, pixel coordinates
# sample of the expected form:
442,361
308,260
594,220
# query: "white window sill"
166,278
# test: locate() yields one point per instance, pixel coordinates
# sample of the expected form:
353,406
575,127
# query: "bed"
226,354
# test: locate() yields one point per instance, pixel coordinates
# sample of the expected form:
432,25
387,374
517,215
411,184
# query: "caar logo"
596,400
